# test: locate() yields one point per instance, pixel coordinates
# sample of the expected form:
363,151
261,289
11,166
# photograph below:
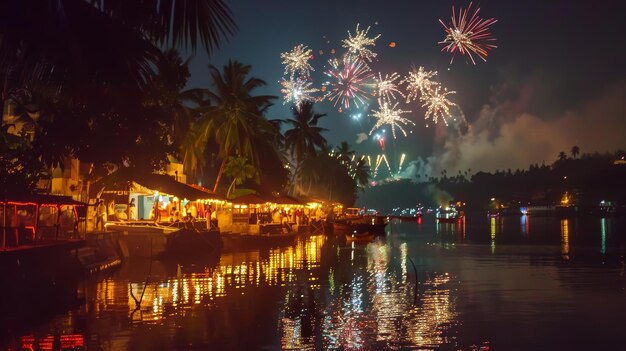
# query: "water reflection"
321,293
454,230
493,231
603,230
565,239
235,273
524,221
373,305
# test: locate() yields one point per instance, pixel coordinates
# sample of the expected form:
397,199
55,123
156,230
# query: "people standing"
111,211
207,214
132,210
100,213
157,211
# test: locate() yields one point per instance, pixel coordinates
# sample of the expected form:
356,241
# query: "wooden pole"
4,227
56,235
36,223
17,234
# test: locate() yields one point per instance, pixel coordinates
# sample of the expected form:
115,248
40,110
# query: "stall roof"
43,199
249,199
162,183
285,200
168,185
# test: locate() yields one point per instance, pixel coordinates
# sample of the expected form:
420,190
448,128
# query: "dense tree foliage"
588,179
102,81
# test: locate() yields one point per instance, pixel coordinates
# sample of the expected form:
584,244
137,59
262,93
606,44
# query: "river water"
509,283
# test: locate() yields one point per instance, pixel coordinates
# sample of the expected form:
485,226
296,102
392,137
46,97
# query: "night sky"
556,80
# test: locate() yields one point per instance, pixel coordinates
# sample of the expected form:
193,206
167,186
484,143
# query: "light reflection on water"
374,306
471,284
235,273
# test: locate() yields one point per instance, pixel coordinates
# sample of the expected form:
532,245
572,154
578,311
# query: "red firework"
468,34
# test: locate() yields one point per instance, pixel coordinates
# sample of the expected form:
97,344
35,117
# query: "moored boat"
371,224
359,237
449,215
151,240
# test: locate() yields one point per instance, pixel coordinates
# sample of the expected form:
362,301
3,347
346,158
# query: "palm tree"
94,63
65,42
344,153
328,178
235,121
239,170
304,138
575,151
562,156
361,172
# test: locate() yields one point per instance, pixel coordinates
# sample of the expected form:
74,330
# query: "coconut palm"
344,152
305,137
66,42
93,64
235,120
328,178
361,172
575,151
239,170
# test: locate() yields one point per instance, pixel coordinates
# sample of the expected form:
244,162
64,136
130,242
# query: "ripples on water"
506,284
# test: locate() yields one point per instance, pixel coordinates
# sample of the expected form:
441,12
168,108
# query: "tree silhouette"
575,151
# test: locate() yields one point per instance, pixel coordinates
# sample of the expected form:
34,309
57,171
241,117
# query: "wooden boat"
359,237
450,219
39,245
449,215
140,227
237,241
152,240
371,224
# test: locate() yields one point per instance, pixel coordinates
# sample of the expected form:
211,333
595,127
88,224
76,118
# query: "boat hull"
236,241
449,220
375,227
152,241
363,238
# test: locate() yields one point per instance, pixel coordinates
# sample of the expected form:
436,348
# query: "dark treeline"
585,180
104,82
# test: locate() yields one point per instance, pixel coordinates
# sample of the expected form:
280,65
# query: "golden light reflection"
434,316
235,271
565,239
374,308
367,302
493,228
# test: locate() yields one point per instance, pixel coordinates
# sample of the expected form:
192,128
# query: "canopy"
40,199
168,185
285,200
163,183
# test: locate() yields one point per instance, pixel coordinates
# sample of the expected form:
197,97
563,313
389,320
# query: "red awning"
42,200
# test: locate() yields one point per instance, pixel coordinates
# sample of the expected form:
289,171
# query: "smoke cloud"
506,135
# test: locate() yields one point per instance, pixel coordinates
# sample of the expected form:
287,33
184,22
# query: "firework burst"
438,105
357,44
387,87
419,83
297,90
468,34
350,77
297,61
391,116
